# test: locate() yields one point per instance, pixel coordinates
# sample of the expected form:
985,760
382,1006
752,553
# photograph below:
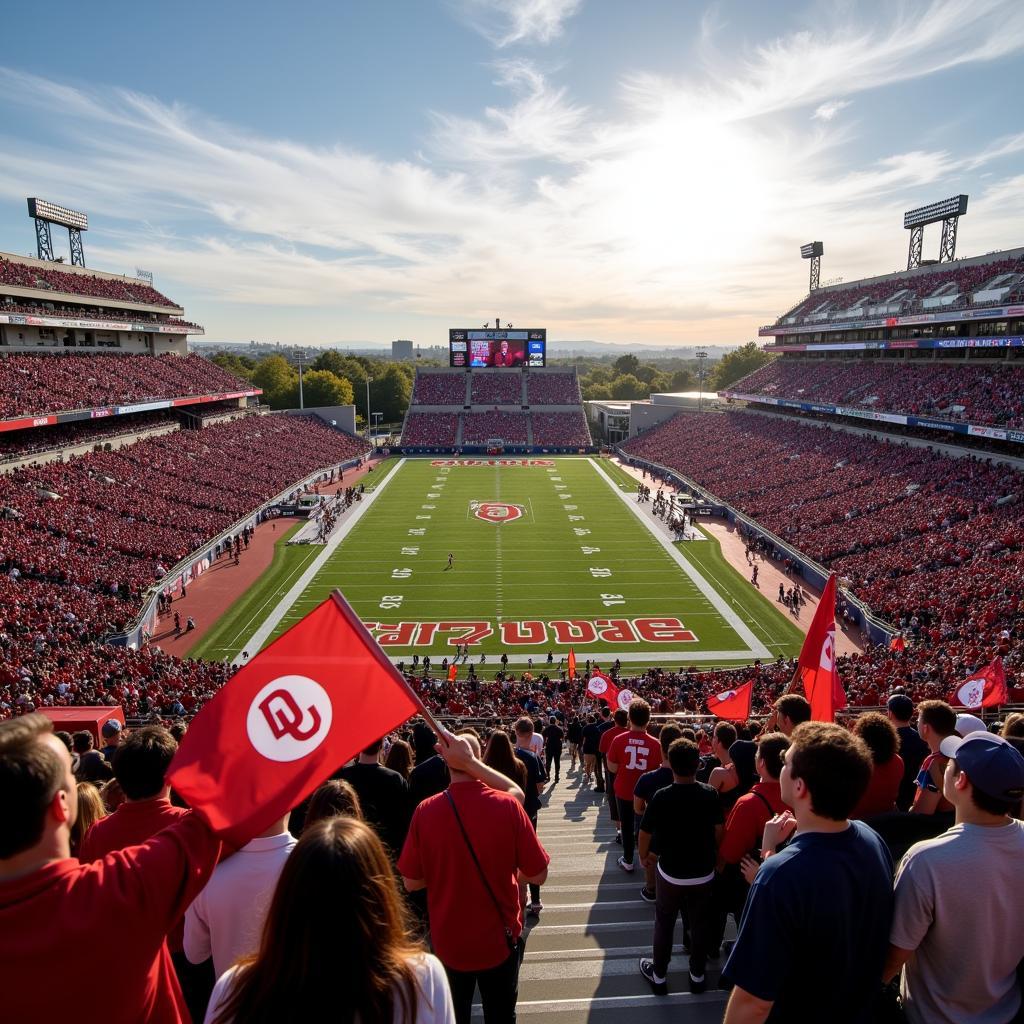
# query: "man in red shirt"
630,755
608,737
52,907
470,847
140,766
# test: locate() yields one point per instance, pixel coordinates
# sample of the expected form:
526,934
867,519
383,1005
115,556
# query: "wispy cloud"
674,218
505,22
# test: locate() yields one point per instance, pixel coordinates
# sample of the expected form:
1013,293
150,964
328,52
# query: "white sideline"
756,648
260,637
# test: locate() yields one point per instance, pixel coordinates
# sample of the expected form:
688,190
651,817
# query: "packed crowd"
498,388
563,429
841,855
439,389
17,444
431,428
118,289
904,293
552,389
90,313
478,427
82,540
990,394
33,385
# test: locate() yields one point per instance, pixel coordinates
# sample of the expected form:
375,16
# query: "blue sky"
340,172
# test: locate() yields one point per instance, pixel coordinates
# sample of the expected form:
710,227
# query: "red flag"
601,686
572,663
297,712
817,664
453,671
985,689
733,705
897,643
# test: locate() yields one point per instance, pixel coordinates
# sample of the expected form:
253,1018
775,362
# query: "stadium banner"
993,432
533,633
943,316
196,399
28,422
97,324
1008,341
124,410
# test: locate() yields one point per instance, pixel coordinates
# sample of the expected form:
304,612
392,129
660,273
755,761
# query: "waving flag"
453,671
572,663
897,643
603,688
985,689
624,698
817,664
733,705
294,714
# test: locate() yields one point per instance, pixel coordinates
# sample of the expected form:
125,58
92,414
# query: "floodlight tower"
45,214
702,357
812,251
948,211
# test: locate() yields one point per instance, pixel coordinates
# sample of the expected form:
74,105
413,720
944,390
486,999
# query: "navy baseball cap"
111,727
901,706
993,765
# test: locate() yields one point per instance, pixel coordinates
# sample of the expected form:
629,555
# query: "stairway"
581,955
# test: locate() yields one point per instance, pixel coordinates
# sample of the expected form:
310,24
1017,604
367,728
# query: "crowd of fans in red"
431,429
832,303
81,541
561,429
33,385
437,429
439,389
478,427
23,275
989,393
21,443
90,313
499,388
553,389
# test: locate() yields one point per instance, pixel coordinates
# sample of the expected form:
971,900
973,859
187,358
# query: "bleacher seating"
33,385
440,389
985,393
19,443
431,429
562,429
478,427
92,313
552,389
23,275
500,388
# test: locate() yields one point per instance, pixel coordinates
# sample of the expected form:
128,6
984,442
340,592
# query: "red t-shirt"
131,825
747,819
52,923
633,753
884,787
608,737
464,927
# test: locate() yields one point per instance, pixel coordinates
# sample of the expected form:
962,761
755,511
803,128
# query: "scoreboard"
482,348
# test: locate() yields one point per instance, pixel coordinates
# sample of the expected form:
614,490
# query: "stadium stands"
989,393
500,388
20,443
440,389
561,429
431,429
511,427
33,385
92,313
24,275
553,389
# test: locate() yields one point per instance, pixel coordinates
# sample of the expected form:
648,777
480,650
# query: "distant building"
401,350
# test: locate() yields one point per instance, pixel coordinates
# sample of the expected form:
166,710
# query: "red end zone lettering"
492,462
663,631
519,633
532,632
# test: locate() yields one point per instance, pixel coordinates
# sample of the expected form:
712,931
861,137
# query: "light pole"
369,381
701,359
377,417
300,359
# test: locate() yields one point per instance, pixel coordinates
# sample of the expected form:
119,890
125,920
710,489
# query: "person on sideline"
336,929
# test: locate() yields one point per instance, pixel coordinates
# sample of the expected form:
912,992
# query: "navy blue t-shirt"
650,782
534,774
815,928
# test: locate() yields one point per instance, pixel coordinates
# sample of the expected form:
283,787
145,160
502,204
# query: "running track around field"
769,575
213,593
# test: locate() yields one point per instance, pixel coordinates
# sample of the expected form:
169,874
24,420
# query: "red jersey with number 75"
633,754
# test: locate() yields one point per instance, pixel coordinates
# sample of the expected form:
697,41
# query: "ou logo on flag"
625,697
289,718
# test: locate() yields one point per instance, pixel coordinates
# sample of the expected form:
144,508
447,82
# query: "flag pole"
357,624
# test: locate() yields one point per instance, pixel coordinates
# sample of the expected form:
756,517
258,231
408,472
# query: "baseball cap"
111,727
993,765
966,724
901,706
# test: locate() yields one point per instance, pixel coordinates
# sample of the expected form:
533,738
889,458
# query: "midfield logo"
496,511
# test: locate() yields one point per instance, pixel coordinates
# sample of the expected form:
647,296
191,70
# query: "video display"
483,348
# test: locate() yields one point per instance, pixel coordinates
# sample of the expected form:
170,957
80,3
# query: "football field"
546,554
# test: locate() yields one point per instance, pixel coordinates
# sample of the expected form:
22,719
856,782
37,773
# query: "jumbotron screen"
496,348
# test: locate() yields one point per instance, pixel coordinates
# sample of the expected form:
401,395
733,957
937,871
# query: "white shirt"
433,997
537,745
226,919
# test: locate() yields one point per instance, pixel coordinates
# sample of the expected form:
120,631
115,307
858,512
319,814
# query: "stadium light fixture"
44,214
948,211
812,251
955,206
55,214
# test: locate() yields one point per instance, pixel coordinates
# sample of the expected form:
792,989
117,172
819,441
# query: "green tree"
240,366
627,386
735,365
683,380
321,387
645,373
627,364
597,393
279,380
390,393
333,361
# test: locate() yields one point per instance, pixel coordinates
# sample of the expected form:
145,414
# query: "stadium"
161,527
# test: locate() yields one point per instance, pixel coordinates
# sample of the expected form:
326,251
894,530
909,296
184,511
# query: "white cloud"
505,22
827,111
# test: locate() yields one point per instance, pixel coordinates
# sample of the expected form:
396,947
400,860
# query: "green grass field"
545,556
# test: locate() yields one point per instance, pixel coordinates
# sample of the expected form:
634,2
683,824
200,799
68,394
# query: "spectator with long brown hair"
501,757
399,758
335,936
883,741
335,797
90,810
